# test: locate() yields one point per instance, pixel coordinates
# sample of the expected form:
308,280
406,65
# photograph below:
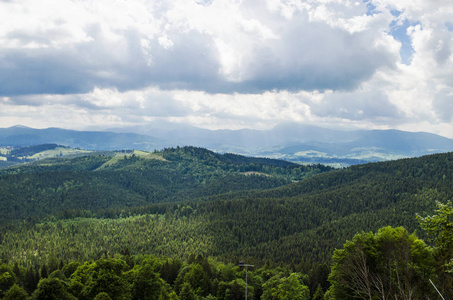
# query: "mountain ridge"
293,142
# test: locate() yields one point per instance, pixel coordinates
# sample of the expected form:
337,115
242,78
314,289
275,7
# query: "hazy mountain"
288,141
304,143
91,140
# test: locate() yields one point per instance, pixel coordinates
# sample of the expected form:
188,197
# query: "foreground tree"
440,229
147,284
51,289
16,293
7,278
391,264
285,288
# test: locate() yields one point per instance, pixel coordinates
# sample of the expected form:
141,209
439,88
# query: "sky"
227,64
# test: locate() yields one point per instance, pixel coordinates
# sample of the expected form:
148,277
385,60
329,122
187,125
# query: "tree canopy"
391,264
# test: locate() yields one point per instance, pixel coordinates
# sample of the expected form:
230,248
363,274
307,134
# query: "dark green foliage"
16,293
51,289
187,292
7,278
187,204
170,269
147,284
67,187
102,296
300,223
237,291
319,293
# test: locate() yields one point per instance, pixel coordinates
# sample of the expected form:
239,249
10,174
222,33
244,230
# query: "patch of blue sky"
371,8
449,26
398,29
396,13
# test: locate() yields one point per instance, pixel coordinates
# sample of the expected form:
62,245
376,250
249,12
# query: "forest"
113,225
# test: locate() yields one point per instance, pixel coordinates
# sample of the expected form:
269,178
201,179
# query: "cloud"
228,64
365,105
223,46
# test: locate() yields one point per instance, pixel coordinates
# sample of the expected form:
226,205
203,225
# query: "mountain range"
293,142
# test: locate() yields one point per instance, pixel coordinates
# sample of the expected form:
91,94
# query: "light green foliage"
285,288
440,227
196,278
85,238
106,275
391,263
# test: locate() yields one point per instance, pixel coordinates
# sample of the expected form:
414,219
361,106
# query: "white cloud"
226,64
225,46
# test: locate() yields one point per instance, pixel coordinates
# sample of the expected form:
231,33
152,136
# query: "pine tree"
319,294
187,292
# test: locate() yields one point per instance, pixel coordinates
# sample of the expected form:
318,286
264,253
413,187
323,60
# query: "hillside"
207,205
130,179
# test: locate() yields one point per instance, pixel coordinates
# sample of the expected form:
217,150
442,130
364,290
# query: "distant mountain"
19,136
304,143
294,142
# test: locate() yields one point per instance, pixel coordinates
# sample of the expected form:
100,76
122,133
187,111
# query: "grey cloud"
443,51
189,65
155,106
309,56
313,56
443,106
356,106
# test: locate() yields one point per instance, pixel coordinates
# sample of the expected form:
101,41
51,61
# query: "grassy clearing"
4,151
149,155
59,151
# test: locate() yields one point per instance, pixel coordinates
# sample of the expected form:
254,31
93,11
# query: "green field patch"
4,151
119,157
57,152
148,155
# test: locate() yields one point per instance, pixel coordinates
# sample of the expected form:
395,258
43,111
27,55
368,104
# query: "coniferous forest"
174,224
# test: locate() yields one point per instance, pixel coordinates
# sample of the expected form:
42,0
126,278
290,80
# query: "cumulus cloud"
228,63
223,46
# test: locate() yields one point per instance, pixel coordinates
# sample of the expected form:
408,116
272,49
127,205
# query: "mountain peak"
18,126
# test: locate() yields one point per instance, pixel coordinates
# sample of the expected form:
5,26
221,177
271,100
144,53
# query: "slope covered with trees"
389,264
180,201
60,185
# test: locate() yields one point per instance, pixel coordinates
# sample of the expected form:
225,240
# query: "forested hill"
128,179
190,200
